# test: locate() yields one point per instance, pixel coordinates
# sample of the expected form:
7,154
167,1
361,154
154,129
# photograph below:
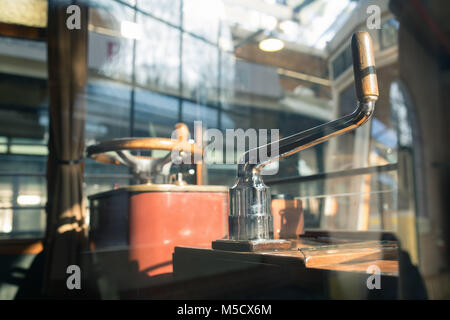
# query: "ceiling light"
271,45
28,200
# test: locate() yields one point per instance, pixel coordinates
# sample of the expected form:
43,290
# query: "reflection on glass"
196,112
95,185
22,197
24,135
400,115
155,114
200,66
158,56
108,111
108,15
31,13
226,78
384,144
110,54
195,20
134,90
389,33
343,208
167,10
316,23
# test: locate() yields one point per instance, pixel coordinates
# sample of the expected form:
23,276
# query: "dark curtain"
67,72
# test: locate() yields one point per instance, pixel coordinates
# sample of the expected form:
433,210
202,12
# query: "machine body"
148,221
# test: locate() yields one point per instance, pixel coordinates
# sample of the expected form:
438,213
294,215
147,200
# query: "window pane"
389,31
196,112
110,52
22,196
199,66
158,56
24,136
167,10
155,114
195,20
108,111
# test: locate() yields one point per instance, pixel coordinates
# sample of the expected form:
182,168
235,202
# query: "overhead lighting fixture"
130,30
28,200
271,45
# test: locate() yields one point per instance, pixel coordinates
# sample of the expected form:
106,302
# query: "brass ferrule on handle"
250,199
364,67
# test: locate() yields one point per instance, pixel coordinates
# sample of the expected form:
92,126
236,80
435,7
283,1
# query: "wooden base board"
251,245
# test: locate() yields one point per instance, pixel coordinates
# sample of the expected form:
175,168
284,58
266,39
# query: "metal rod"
334,174
277,150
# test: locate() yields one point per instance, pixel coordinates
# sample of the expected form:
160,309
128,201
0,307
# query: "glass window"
342,62
167,10
388,33
158,56
108,110
235,66
23,138
196,112
155,114
142,84
200,69
110,50
194,20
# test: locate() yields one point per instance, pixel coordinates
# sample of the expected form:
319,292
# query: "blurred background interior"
154,63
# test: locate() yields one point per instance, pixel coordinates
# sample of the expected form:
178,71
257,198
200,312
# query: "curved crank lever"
250,216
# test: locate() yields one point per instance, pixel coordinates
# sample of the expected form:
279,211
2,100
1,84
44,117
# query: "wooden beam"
20,246
24,32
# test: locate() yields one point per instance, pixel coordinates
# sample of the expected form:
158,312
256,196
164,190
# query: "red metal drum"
150,220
